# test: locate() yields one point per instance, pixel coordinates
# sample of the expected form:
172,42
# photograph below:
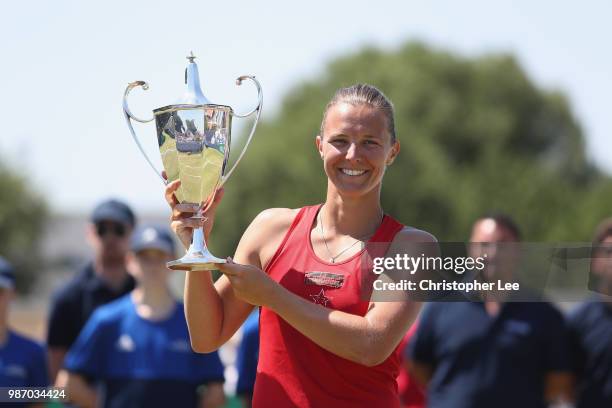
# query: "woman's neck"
359,217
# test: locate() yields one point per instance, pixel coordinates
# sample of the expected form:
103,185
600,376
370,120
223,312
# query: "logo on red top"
333,280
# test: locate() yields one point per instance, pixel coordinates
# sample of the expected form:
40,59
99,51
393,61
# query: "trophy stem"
198,257
197,241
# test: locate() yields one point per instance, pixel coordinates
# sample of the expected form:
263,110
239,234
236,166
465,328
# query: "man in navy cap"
22,361
102,280
135,351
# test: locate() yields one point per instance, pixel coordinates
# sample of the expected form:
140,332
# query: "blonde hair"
364,94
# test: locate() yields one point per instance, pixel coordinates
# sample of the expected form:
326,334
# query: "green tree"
477,135
22,215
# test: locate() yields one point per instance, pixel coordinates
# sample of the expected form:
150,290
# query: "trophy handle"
258,110
129,116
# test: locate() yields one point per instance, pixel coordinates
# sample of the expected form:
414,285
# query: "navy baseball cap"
113,210
153,237
7,274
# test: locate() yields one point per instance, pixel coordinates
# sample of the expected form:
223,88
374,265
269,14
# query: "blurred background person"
246,361
22,361
591,329
135,351
100,281
493,353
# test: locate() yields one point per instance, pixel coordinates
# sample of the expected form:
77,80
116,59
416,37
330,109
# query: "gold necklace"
333,258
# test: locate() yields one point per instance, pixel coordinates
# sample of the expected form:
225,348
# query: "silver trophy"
194,137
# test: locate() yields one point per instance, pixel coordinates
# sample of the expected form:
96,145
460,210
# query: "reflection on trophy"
194,137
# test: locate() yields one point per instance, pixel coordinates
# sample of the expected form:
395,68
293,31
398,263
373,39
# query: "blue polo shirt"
248,355
591,329
141,363
23,363
490,361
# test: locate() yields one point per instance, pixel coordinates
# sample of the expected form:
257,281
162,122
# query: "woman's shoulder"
267,230
275,218
411,234
277,214
413,240
271,223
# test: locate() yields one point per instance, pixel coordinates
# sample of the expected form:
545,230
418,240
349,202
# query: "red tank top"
293,371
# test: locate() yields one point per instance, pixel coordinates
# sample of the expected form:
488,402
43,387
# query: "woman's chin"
353,190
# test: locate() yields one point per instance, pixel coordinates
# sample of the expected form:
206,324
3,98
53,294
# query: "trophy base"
195,263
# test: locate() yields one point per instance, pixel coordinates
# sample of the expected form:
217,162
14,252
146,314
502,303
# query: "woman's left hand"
249,283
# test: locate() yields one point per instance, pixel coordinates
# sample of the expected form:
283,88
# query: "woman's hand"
181,222
249,283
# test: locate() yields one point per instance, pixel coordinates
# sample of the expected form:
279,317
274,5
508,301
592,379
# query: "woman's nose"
351,152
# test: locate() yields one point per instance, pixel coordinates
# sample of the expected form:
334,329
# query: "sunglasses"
105,228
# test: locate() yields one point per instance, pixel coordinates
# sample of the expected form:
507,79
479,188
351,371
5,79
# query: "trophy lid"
193,94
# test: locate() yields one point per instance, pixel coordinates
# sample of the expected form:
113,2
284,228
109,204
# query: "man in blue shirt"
23,362
136,350
591,329
100,281
494,353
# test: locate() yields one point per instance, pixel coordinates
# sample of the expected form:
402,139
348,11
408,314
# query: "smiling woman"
321,342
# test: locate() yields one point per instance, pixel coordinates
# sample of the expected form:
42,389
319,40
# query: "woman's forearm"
203,311
352,337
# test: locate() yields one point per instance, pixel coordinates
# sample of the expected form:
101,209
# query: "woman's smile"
353,172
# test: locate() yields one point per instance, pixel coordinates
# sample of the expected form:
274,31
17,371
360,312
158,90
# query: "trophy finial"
193,94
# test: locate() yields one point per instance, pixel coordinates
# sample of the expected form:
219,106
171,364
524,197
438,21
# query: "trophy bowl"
194,139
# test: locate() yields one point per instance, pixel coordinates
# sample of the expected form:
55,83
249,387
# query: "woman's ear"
394,152
319,144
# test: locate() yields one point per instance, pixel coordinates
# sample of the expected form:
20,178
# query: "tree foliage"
477,135
22,215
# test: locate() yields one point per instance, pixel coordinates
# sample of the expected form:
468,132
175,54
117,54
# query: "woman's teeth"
349,172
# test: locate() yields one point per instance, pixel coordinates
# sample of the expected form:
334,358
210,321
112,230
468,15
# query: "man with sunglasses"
102,280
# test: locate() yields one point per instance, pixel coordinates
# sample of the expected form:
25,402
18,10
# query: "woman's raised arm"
212,310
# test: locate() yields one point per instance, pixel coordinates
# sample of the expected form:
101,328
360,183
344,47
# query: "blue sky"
66,64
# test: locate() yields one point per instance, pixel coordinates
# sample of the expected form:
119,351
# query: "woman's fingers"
182,213
186,223
169,193
181,219
248,282
212,207
229,268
